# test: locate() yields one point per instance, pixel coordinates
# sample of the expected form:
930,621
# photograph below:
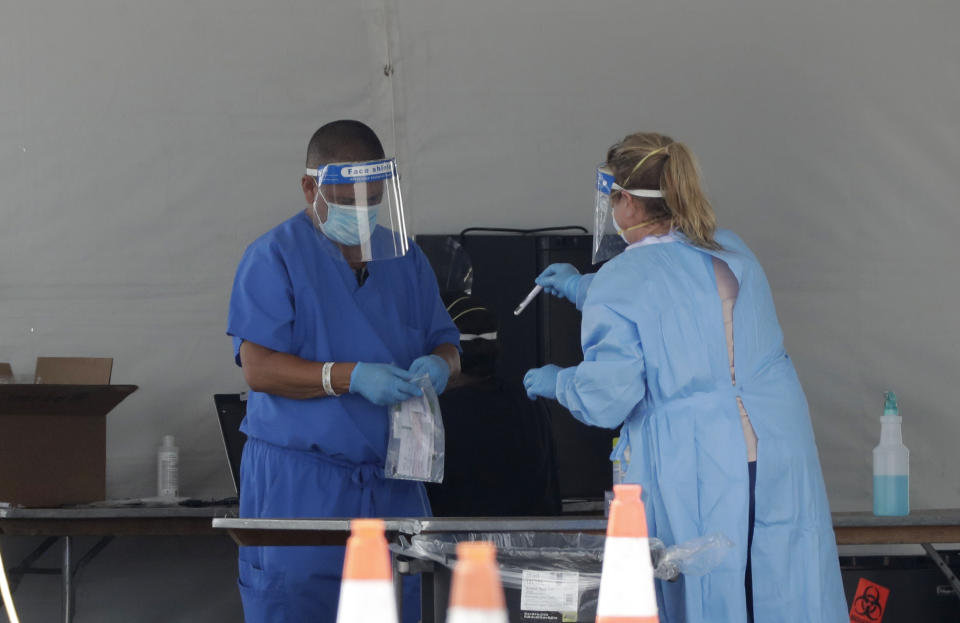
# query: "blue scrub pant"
752,468
290,584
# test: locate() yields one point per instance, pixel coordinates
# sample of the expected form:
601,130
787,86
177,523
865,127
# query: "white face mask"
620,230
623,232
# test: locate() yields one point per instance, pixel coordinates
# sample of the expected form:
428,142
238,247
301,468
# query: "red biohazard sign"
869,602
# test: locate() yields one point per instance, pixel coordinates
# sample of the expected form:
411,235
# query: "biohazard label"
869,602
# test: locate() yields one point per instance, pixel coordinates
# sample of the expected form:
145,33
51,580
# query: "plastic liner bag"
415,449
453,267
550,574
697,556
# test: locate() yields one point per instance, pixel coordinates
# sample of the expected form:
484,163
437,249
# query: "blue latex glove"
382,384
560,280
433,366
542,382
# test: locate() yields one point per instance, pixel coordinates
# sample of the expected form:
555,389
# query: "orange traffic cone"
366,592
626,583
476,595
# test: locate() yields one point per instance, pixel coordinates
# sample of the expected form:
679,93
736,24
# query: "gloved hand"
542,382
560,280
382,384
433,366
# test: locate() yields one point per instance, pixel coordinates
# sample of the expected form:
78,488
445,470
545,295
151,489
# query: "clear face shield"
358,207
608,239
607,242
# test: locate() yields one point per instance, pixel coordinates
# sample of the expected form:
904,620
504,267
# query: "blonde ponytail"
657,162
692,213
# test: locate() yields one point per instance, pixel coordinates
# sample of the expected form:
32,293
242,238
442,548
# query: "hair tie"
644,159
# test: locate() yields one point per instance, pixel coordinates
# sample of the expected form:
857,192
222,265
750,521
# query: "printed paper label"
551,591
536,616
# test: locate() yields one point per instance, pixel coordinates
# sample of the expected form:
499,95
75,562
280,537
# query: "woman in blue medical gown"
681,346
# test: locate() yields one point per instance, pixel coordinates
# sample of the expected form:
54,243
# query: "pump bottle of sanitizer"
167,468
891,464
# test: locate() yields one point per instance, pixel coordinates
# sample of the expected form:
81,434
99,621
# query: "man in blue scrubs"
333,313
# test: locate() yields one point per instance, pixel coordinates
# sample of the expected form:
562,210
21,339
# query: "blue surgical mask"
342,226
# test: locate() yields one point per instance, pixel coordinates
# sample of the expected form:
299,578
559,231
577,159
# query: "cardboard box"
53,434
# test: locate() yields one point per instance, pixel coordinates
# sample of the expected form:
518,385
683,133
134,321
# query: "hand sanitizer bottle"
168,458
891,464
618,468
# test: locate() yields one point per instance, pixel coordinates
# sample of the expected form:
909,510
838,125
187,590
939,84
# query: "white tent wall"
827,139
144,145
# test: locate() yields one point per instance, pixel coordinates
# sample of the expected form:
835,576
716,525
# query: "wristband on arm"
327,385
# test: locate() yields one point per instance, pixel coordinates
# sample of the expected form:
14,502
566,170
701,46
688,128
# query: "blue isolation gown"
655,360
324,457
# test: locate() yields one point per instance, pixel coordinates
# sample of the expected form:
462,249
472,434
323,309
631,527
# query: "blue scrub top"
294,293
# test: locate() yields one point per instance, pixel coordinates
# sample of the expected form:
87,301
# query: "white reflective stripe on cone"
5,594
475,615
626,583
367,601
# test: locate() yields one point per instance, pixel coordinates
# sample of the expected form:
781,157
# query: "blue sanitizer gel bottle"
891,464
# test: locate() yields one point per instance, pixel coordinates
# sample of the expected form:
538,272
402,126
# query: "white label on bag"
550,591
415,430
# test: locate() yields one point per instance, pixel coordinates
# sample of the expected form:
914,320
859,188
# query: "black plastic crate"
919,591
